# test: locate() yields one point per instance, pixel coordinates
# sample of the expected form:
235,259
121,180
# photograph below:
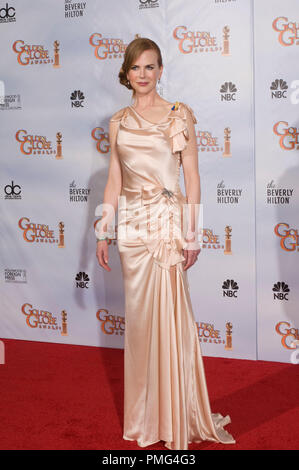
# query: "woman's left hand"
190,257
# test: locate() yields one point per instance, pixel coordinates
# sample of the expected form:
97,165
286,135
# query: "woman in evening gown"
165,390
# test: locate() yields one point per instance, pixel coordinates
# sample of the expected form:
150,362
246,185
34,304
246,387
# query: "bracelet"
99,239
192,245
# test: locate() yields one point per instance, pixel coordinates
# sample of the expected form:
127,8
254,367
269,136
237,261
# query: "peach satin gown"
165,391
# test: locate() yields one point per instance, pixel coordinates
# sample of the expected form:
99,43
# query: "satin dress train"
165,390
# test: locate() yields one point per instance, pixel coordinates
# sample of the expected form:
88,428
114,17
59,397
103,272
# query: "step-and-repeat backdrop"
235,62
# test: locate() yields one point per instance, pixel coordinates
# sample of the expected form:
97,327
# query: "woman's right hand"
102,254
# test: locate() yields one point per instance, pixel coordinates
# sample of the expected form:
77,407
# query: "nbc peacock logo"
279,89
228,92
230,288
82,280
280,291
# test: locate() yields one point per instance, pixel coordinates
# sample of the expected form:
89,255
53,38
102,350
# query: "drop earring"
159,88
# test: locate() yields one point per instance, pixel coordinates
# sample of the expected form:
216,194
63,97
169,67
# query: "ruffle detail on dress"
178,131
166,252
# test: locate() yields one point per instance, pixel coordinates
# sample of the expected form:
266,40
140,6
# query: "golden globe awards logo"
32,54
201,41
288,237
211,241
288,333
102,139
208,142
43,319
41,233
207,333
288,31
107,48
288,135
39,145
111,324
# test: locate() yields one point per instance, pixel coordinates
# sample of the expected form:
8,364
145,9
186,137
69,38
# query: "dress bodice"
150,153
151,204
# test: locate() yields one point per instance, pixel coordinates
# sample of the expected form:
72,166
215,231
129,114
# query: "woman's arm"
192,180
114,180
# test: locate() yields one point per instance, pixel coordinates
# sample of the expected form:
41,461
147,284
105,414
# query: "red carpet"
57,396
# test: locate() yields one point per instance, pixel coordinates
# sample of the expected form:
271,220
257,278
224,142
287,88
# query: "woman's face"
145,72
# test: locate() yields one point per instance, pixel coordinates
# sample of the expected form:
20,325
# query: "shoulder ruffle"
179,128
118,115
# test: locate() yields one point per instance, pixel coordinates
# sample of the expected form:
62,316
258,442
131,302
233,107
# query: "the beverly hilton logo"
41,233
39,145
43,319
36,54
102,139
201,41
289,334
111,324
288,135
278,195
288,31
227,195
289,239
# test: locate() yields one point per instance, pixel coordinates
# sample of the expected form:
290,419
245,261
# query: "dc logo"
12,189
